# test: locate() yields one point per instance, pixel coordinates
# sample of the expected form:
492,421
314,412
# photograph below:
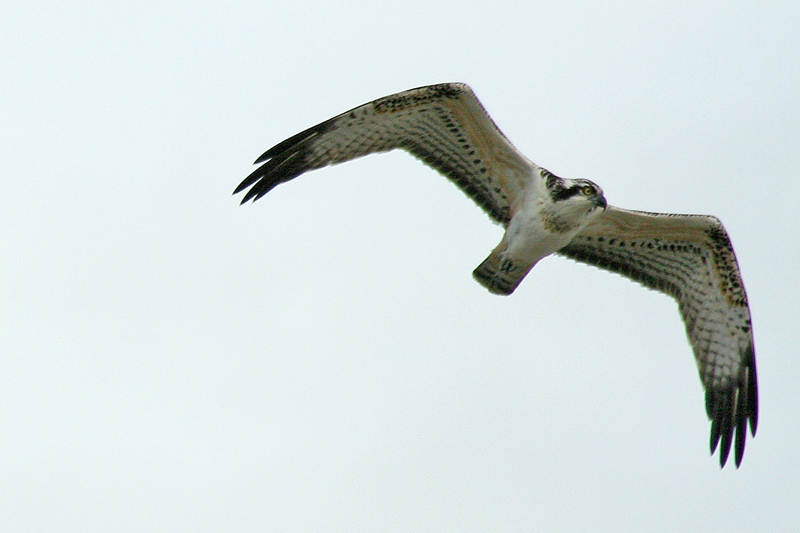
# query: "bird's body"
542,222
688,257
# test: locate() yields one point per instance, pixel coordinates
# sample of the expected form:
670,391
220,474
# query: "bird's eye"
587,190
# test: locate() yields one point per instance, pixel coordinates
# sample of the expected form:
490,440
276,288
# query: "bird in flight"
688,257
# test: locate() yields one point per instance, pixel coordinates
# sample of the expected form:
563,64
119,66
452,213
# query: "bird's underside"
688,257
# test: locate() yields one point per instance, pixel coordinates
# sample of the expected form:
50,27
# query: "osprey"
688,257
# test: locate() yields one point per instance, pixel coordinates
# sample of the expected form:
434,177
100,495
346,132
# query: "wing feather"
443,125
689,257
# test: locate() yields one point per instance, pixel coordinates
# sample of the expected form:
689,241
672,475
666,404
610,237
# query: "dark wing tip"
719,404
730,409
280,168
283,162
752,391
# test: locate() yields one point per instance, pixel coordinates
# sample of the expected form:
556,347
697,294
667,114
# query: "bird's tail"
499,273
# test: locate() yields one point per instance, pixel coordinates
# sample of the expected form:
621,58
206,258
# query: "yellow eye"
587,190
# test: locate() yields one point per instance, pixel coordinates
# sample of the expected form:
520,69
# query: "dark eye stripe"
563,194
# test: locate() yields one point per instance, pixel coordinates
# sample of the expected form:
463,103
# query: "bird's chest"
556,221
539,231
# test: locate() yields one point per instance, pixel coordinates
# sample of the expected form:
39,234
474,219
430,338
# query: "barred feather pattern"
443,125
690,258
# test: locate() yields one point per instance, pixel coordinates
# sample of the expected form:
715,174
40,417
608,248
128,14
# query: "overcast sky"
322,360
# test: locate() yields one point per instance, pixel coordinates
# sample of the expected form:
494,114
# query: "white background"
322,360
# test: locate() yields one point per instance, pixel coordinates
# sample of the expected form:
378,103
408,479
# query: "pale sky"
322,360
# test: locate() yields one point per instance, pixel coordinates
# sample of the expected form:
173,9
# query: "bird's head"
575,194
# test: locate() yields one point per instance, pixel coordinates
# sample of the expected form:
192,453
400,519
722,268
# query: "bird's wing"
443,125
689,257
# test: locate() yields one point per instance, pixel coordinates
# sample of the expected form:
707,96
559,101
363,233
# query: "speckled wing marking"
443,125
690,258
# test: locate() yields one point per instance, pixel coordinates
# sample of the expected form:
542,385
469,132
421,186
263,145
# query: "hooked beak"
600,201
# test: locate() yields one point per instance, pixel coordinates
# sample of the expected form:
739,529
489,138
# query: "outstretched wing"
690,258
443,125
